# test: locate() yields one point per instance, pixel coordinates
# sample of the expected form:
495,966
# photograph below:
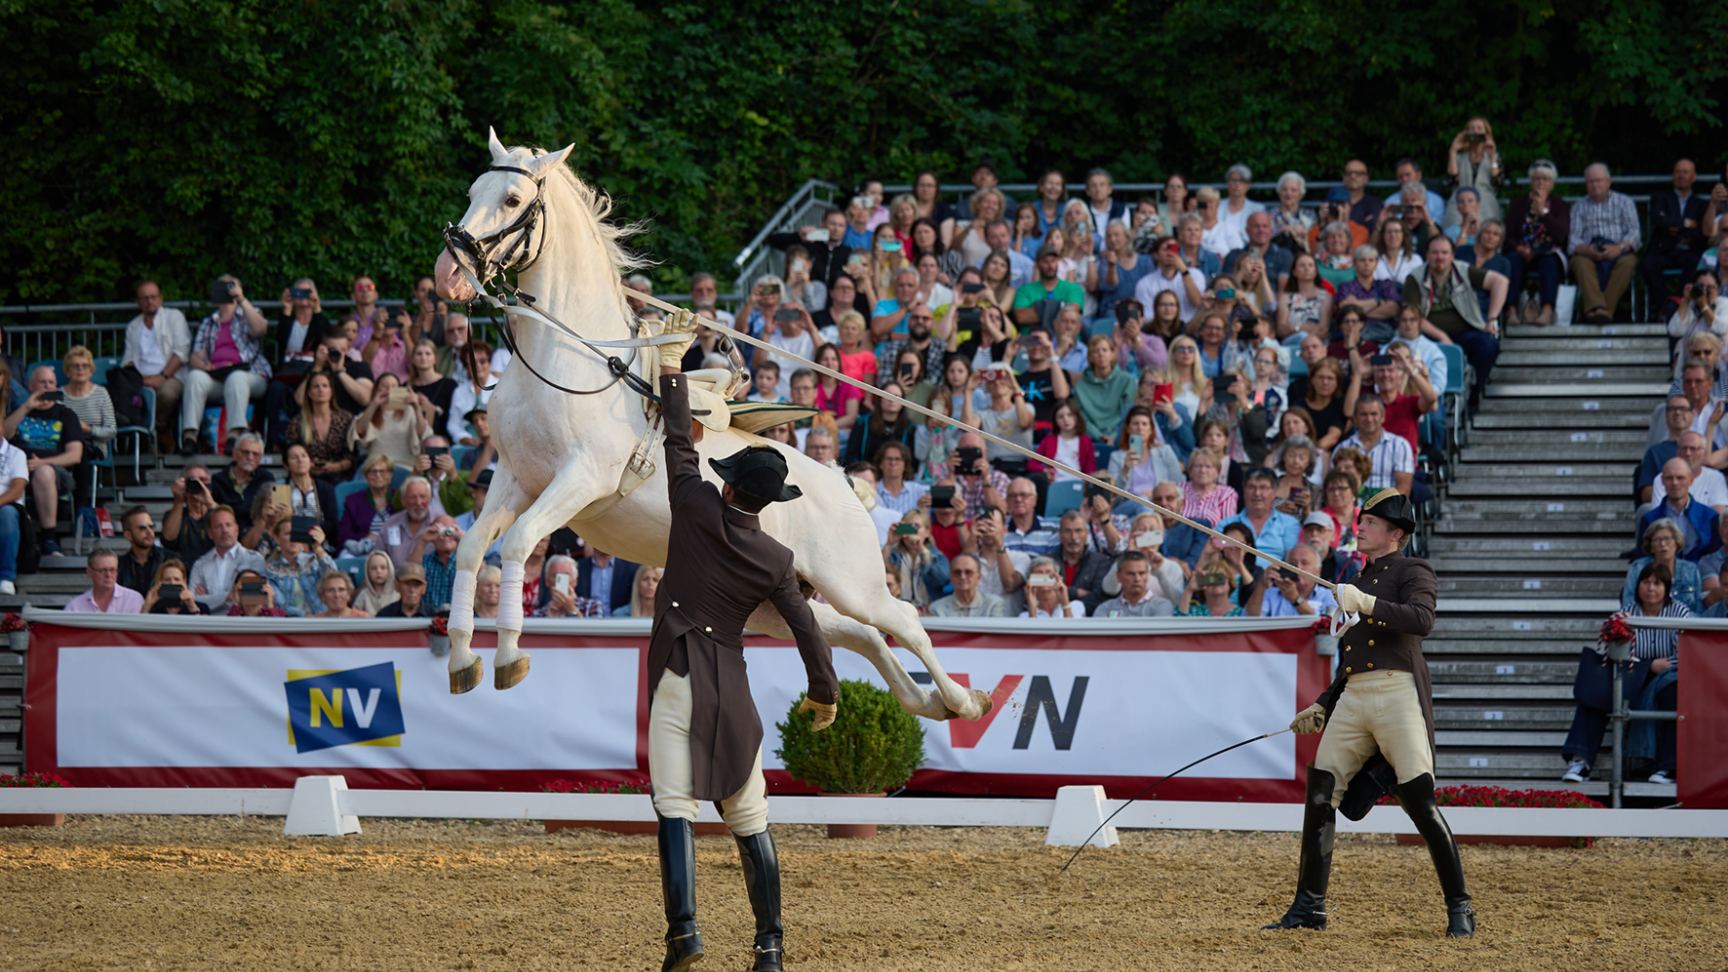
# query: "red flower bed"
32,779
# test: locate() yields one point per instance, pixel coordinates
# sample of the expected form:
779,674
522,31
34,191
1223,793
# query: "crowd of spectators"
1257,366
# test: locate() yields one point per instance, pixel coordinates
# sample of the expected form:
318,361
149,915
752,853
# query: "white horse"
558,453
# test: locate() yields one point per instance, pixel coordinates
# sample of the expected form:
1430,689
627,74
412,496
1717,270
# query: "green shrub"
874,745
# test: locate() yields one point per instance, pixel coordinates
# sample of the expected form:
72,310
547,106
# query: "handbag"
1594,685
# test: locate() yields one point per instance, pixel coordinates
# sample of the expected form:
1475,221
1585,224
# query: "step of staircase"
1546,355
1541,524
1539,374
1514,506
1460,673
1542,488
1520,332
1444,547
1537,416
1452,585
1530,564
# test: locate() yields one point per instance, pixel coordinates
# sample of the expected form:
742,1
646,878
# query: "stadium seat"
347,489
1064,496
354,567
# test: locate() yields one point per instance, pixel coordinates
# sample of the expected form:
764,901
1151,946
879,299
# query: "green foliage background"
183,138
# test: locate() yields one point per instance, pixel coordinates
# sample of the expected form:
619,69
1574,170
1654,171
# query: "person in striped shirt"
1392,461
1604,243
1661,648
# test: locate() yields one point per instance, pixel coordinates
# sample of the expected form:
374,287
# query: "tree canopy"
184,138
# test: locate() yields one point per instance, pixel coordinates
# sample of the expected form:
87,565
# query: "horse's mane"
611,235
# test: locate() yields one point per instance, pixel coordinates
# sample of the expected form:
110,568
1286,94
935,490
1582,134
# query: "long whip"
1155,784
957,423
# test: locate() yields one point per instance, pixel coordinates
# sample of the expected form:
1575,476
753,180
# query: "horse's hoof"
984,707
468,679
504,676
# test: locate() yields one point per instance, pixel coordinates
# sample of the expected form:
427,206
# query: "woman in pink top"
834,396
857,358
1203,496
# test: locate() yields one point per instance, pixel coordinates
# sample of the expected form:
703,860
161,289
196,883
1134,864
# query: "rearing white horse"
558,453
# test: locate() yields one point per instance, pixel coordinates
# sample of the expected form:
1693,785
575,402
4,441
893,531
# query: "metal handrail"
963,189
797,201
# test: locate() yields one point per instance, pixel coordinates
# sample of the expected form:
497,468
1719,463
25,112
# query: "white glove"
1353,601
1309,720
683,324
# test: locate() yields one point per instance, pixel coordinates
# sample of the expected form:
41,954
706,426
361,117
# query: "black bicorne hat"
1393,507
758,471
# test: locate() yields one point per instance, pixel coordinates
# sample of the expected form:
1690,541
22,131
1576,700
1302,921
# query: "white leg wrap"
510,596
462,600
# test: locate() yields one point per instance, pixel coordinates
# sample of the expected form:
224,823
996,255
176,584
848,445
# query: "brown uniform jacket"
1391,639
720,567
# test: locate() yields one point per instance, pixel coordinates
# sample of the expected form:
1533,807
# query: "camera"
969,316
905,529
300,293
433,452
941,497
786,315
969,458
170,592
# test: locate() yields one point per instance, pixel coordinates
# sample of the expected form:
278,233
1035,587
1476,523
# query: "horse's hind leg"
876,608
846,632
502,502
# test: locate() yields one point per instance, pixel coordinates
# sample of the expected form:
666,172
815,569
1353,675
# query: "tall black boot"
1318,822
1417,798
678,885
762,881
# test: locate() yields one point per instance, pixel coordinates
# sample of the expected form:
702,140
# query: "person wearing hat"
1037,300
704,736
1378,718
1321,532
410,594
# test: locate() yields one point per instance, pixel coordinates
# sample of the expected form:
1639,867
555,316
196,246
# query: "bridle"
514,248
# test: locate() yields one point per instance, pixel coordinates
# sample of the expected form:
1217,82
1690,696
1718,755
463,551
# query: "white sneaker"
8,588
1576,772
1661,777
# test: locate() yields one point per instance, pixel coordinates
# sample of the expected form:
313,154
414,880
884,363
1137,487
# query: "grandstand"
1526,532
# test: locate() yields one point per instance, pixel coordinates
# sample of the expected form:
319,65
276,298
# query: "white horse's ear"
500,154
550,159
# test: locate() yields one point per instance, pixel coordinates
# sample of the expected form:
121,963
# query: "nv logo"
338,708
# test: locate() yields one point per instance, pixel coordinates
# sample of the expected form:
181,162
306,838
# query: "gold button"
1346,647
1370,642
1370,664
1347,669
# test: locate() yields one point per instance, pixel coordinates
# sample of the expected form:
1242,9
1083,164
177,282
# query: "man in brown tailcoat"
1378,709
704,737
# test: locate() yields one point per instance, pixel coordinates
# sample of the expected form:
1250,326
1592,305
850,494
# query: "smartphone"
561,583
892,246
1148,540
815,234
399,397
1226,293
972,288
969,317
433,452
1040,580
941,497
252,591
300,293
280,495
54,396
1137,443
787,314
905,529
170,592
1396,212
1163,392
300,528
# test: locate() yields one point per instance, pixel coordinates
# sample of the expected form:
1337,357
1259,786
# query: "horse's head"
502,228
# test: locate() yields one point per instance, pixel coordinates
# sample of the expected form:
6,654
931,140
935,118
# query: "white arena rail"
324,806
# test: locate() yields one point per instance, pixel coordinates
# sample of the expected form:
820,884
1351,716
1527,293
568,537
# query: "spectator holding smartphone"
297,560
50,435
168,592
252,597
1141,459
1046,595
1283,593
913,557
562,601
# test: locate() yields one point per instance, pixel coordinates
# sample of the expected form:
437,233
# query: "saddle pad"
757,416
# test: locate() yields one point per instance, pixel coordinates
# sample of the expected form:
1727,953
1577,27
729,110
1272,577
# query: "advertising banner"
162,701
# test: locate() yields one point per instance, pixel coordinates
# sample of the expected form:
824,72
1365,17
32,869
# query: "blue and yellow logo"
359,706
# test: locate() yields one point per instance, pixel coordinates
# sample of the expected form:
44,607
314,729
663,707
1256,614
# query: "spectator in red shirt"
1407,396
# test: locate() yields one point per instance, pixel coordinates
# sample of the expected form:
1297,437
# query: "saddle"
711,404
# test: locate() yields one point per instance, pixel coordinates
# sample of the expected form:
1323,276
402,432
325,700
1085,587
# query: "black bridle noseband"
488,264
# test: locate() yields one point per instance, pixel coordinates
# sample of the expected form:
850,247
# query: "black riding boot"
762,881
1318,822
1417,798
678,885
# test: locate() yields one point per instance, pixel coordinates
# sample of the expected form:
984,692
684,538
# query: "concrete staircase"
1528,545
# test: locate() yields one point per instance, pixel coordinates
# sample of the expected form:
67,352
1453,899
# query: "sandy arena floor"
193,893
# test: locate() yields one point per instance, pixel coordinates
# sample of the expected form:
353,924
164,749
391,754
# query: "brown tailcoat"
720,567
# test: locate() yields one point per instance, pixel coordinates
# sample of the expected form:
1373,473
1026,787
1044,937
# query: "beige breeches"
1379,711
745,812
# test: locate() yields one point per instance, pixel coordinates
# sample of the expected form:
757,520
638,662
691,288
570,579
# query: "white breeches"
1378,711
745,812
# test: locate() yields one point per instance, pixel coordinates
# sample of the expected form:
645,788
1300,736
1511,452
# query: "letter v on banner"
965,735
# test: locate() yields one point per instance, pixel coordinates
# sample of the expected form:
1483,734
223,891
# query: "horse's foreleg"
502,501
568,493
844,632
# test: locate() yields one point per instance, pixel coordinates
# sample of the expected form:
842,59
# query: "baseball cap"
411,572
1319,520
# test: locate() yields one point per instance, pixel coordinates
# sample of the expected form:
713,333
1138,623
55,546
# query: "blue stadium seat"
1064,496
347,489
